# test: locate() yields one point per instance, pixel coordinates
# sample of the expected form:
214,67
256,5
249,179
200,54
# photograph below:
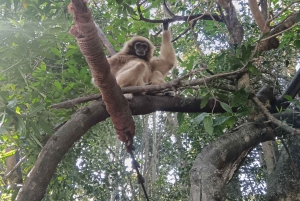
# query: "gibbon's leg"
132,76
158,78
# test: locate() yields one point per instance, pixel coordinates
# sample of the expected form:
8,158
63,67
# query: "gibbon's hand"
165,24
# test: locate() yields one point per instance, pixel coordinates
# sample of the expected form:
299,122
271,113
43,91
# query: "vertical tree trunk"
146,150
283,183
154,153
270,155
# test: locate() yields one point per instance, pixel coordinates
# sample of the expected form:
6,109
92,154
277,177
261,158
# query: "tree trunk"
283,183
154,154
217,162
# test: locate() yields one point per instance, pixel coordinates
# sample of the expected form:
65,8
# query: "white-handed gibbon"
135,65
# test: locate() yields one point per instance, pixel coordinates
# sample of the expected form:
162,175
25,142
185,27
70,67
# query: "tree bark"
217,162
283,183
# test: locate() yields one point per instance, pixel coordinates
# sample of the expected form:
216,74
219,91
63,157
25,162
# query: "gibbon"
135,65
131,66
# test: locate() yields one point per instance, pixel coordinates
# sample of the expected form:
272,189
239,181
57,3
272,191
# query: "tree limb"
176,83
292,89
57,146
217,162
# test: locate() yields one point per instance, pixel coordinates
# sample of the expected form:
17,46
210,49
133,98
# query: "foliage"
41,65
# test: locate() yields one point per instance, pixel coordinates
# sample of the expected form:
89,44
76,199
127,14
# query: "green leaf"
298,17
58,85
204,101
119,1
47,128
180,118
288,97
220,120
70,52
55,51
43,66
199,118
253,69
12,104
69,87
226,107
208,125
244,111
297,44
240,98
231,121
20,125
246,53
7,154
36,109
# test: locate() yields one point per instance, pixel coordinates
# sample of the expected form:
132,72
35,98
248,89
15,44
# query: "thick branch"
258,17
285,24
264,9
177,83
233,25
292,90
216,163
57,146
263,25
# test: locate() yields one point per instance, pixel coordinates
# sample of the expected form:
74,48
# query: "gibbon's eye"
144,46
138,45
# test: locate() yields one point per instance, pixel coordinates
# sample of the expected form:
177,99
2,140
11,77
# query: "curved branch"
57,146
217,162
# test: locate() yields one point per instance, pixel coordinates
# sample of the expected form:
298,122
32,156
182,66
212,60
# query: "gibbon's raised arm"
162,64
166,60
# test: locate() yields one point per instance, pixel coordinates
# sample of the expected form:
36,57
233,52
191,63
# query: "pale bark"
217,162
154,154
146,151
270,154
283,182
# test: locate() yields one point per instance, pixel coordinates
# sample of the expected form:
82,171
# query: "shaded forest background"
229,134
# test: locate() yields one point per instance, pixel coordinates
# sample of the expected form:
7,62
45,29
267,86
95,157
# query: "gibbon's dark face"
140,49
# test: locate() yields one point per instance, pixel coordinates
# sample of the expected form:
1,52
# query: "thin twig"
280,32
15,167
282,11
275,121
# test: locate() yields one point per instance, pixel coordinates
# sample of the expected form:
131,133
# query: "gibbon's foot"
169,93
128,96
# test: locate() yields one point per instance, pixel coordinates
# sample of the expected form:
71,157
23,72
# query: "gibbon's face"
140,48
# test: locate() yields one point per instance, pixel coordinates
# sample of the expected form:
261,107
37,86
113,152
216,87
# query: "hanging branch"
90,45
